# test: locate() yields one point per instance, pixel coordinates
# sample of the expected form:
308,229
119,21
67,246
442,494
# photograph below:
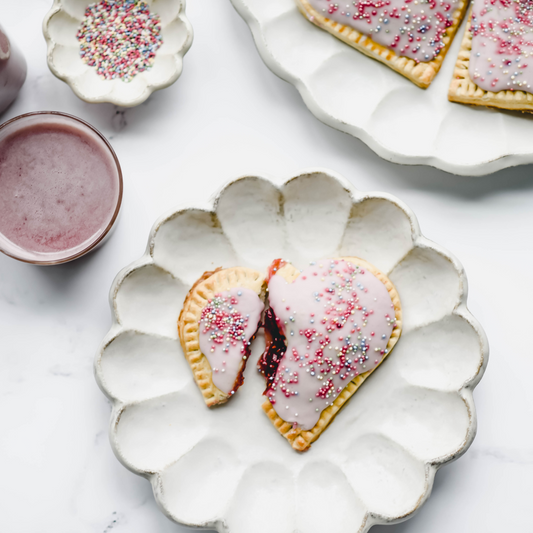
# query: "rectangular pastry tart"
219,319
327,329
409,36
494,65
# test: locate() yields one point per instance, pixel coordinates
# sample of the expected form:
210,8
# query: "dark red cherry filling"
276,347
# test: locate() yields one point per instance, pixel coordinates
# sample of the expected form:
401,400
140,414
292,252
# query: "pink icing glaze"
337,319
502,45
412,28
228,322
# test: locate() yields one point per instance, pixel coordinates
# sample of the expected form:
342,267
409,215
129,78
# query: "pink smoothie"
59,188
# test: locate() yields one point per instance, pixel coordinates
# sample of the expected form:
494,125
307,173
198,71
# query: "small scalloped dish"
60,27
220,469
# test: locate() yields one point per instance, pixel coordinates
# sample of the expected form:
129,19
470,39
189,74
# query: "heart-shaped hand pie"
219,319
327,329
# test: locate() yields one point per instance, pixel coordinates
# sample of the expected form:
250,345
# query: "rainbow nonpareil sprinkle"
119,38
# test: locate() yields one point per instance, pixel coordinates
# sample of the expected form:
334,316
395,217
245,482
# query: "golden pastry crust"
299,439
421,74
465,91
201,292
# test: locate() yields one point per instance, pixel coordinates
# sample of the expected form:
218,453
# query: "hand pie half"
327,329
219,319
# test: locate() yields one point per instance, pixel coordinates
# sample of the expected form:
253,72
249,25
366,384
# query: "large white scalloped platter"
400,122
228,468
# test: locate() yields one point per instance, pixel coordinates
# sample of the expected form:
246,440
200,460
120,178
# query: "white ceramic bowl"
358,95
228,468
60,27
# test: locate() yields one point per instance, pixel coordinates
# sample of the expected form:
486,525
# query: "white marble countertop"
226,116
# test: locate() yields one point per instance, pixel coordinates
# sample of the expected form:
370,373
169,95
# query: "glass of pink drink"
60,188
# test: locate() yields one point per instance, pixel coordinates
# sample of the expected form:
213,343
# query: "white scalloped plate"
60,27
358,95
228,468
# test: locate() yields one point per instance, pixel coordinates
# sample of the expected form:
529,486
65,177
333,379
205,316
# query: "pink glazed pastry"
219,320
60,188
494,65
328,328
502,45
411,37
